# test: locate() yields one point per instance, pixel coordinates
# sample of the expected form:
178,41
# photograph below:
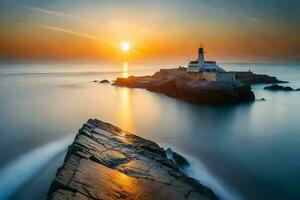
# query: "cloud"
248,17
236,12
79,34
64,30
69,32
51,12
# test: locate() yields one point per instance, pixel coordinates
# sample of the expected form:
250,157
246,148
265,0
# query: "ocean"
246,151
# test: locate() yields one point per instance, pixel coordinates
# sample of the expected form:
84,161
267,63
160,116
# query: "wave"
198,171
23,168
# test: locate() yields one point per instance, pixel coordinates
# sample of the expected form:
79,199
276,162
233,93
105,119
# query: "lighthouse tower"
200,57
202,65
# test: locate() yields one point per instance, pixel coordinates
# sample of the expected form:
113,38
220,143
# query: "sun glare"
125,46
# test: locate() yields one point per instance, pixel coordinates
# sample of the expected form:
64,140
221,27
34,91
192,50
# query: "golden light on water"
125,70
125,114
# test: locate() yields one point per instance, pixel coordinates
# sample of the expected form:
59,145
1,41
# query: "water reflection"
125,70
253,145
124,113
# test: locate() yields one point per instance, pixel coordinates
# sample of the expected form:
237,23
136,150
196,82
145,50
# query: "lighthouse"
200,57
202,65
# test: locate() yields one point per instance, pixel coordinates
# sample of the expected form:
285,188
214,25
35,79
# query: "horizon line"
179,63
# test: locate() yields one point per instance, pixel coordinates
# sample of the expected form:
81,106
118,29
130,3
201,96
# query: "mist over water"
24,167
250,148
198,171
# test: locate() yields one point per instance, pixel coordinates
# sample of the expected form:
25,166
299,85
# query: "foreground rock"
106,163
252,78
276,87
179,84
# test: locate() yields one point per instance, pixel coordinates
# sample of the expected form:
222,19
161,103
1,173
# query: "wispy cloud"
235,12
248,17
69,32
64,15
51,12
76,33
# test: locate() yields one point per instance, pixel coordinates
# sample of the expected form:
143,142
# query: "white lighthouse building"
201,65
208,70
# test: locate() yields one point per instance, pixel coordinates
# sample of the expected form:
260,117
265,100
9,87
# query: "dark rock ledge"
252,78
276,87
107,163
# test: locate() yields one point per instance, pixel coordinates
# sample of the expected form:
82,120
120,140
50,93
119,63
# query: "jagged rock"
105,162
275,87
179,84
104,81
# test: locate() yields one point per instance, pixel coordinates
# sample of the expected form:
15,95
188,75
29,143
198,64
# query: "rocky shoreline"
179,84
105,162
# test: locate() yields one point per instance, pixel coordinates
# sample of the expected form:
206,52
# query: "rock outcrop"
106,163
179,84
104,81
275,87
252,78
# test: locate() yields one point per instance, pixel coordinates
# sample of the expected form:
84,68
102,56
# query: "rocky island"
107,163
180,84
201,82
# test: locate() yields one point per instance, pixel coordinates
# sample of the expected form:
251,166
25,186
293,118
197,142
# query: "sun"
125,46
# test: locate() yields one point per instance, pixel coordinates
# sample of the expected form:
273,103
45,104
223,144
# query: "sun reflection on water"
125,111
125,70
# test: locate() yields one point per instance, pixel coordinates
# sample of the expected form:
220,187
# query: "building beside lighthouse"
208,70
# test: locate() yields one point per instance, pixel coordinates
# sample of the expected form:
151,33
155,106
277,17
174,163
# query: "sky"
158,31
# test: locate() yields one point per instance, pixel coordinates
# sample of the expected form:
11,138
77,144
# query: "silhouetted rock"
261,99
251,78
276,87
179,84
104,81
105,162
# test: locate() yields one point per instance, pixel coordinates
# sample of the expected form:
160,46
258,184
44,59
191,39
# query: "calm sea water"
247,151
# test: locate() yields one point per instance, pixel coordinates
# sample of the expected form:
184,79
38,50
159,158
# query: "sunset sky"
165,30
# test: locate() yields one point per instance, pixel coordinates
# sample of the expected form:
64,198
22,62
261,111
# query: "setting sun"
125,46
